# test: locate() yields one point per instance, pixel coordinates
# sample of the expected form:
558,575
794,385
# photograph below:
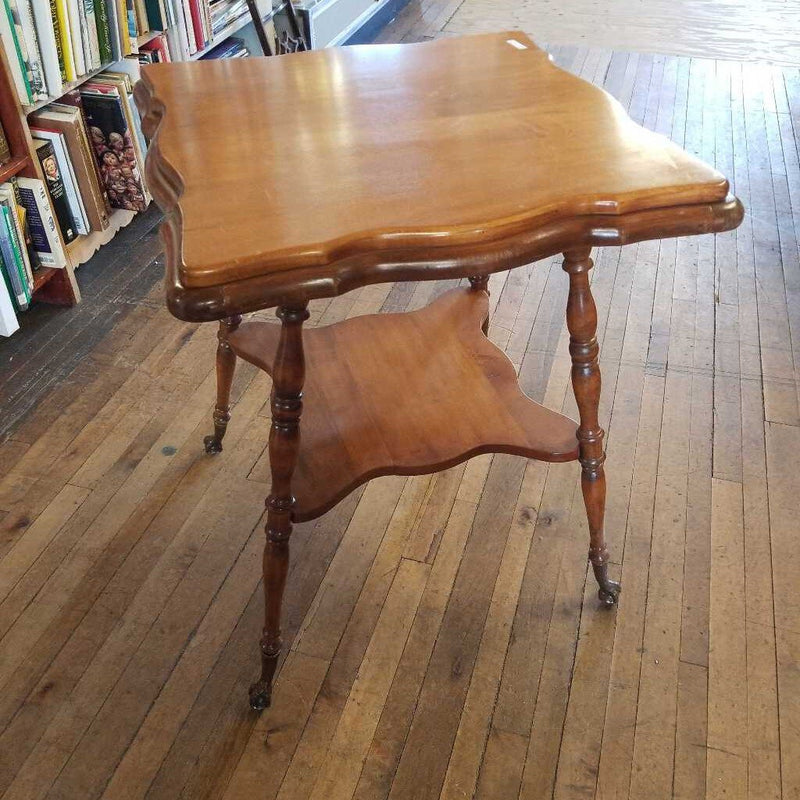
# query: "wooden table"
306,176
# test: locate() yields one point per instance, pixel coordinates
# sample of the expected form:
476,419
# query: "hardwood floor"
445,639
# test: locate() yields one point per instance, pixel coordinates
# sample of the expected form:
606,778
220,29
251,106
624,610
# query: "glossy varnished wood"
130,636
344,167
405,394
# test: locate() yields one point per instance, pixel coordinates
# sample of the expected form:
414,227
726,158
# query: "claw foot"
260,696
212,444
609,593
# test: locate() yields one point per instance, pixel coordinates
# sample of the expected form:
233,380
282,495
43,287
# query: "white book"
47,45
51,255
178,39
8,319
188,27
91,45
29,42
73,13
76,207
13,60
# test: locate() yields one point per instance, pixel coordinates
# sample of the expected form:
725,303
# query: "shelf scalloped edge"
84,247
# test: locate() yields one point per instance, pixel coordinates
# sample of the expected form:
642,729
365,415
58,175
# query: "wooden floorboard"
444,636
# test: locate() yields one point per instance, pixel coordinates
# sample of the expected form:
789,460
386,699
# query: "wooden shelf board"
406,394
13,167
42,276
147,37
68,87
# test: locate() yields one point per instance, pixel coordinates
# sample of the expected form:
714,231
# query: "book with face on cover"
55,188
76,205
68,121
113,144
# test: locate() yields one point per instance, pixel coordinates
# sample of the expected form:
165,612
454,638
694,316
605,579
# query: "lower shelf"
406,394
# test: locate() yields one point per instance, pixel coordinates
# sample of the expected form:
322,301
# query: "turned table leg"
226,364
284,443
582,325
481,282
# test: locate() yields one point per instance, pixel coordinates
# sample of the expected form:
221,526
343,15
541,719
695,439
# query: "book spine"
91,33
55,22
56,191
18,248
197,24
70,183
19,232
52,255
31,258
8,29
113,29
65,35
20,290
103,31
156,23
84,28
123,27
76,36
50,45
8,319
22,11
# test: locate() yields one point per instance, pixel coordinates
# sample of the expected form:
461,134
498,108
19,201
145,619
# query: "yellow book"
124,33
66,39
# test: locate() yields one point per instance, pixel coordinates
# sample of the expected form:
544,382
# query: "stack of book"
28,242
225,13
91,150
51,43
232,47
156,51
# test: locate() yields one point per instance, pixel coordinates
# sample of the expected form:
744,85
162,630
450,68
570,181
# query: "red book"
197,24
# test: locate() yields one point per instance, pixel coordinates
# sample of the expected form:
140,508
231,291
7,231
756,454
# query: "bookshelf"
50,285
237,26
68,87
175,33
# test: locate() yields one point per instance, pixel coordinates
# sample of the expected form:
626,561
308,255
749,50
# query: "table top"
305,175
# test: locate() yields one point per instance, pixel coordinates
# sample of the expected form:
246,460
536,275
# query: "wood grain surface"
340,167
453,614
405,394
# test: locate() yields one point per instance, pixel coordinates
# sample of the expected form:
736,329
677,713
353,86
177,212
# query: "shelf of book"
76,172
144,38
68,87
